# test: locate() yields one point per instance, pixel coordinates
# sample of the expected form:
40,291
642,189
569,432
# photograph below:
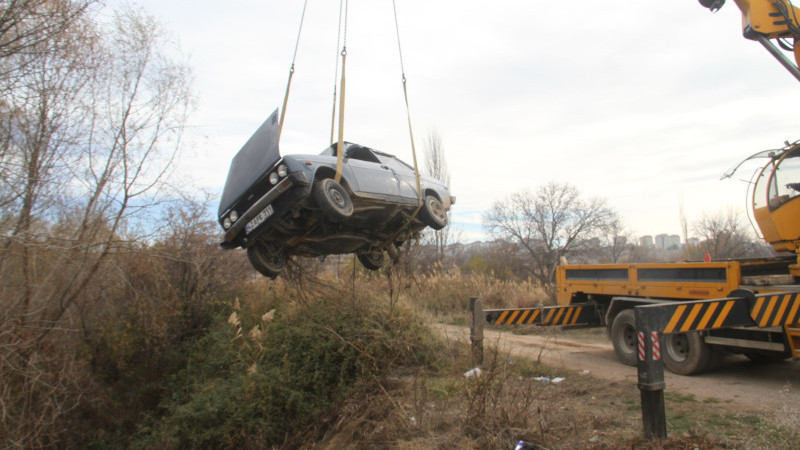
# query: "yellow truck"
613,291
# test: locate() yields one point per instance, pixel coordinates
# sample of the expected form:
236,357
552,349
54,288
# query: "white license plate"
258,219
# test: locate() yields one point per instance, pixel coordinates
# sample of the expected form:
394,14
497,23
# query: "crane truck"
605,294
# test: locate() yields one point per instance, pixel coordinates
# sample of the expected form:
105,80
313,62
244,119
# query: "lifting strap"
291,71
336,73
340,145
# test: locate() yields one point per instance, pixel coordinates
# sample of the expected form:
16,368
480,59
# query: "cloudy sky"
643,103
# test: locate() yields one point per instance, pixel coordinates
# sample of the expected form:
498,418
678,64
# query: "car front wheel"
268,258
333,199
433,213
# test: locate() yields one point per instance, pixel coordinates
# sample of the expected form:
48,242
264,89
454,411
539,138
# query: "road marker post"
477,321
651,375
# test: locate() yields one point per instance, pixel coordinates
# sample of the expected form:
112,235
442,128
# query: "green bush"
254,380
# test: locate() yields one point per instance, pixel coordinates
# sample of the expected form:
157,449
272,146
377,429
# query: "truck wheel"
268,258
433,213
372,260
623,336
685,353
333,199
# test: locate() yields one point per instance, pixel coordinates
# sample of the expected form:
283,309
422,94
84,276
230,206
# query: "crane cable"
392,239
291,71
340,146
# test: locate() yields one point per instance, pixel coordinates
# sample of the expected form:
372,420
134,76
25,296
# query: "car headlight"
226,223
234,216
282,171
273,178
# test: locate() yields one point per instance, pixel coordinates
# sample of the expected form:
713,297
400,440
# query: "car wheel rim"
438,210
271,257
376,256
337,198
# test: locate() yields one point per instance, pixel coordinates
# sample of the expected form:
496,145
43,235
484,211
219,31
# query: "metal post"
651,375
477,320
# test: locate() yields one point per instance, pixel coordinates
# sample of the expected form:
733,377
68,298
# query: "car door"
404,174
372,177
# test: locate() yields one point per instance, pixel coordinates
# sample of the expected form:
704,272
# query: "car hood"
256,156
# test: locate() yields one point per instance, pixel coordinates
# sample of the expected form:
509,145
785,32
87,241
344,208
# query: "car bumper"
230,239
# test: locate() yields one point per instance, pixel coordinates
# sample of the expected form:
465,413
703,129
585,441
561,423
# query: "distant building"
646,241
668,242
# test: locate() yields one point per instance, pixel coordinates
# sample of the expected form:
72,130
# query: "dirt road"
754,387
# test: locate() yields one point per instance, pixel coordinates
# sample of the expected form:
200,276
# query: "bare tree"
549,224
436,166
89,131
619,242
724,234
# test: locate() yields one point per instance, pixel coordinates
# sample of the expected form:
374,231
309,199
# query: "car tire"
372,260
333,199
685,353
623,336
268,258
433,213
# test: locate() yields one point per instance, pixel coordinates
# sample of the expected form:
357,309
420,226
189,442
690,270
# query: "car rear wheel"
268,258
433,213
333,199
373,259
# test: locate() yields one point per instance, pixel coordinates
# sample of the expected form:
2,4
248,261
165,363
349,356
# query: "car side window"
395,164
361,153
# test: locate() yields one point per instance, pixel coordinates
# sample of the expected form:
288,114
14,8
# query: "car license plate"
258,219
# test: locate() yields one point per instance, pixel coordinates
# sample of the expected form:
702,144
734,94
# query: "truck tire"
685,353
623,336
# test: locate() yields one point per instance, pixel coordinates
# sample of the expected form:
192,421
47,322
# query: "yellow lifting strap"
340,144
413,148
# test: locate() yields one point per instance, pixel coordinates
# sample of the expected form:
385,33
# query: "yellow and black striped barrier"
775,310
762,310
704,315
549,315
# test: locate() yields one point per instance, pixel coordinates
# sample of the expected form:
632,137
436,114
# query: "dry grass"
436,406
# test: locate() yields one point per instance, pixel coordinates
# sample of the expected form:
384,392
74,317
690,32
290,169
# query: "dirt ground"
747,386
595,406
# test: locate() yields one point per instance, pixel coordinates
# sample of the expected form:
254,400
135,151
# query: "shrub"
258,378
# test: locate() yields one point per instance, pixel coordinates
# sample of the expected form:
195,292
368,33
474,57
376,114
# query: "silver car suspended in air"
278,206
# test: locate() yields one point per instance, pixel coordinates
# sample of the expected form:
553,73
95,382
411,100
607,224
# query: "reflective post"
477,320
651,374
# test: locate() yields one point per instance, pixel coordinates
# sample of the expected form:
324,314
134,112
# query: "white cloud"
642,103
